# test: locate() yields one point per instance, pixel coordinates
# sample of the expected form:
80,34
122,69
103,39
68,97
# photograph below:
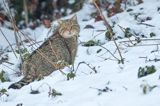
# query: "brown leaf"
98,18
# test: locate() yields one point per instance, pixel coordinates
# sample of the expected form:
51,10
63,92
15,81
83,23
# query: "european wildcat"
55,53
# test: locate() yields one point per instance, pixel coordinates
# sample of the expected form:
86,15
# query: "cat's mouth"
69,34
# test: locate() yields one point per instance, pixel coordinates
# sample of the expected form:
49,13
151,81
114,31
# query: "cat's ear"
60,21
74,17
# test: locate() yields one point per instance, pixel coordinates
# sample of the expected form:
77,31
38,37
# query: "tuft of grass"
152,34
24,52
108,36
71,75
54,93
146,88
127,33
147,70
90,43
3,92
129,10
34,91
3,77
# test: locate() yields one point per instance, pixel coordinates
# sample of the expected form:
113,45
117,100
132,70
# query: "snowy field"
100,81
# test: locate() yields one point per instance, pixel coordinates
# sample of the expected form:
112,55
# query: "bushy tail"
21,83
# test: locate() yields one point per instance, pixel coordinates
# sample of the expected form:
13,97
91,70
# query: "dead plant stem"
109,29
8,42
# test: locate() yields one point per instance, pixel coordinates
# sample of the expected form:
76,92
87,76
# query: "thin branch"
53,51
42,54
9,67
141,40
124,33
110,30
109,52
38,51
8,42
83,62
99,34
145,45
35,43
52,63
13,22
141,23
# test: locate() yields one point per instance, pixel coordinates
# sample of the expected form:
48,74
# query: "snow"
121,79
9,35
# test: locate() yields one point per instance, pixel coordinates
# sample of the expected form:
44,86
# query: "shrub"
144,71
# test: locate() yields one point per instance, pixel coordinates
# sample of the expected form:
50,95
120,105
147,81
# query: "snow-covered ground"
113,84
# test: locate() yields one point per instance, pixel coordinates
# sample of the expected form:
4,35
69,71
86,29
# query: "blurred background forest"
29,13
32,13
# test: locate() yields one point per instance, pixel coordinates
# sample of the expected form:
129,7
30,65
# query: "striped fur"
69,28
59,51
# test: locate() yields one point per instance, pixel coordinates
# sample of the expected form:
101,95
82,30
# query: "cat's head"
69,27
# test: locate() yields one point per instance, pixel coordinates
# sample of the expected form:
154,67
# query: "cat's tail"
24,81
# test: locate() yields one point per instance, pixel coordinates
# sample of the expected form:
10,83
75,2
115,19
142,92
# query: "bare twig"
13,22
83,62
53,51
109,52
110,31
123,29
99,34
17,33
35,43
144,45
47,59
141,23
8,42
141,40
104,59
42,54
44,84
157,49
9,68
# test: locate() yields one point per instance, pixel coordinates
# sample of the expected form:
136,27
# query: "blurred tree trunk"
26,11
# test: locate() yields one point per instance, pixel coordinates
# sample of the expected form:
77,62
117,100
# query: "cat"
55,53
